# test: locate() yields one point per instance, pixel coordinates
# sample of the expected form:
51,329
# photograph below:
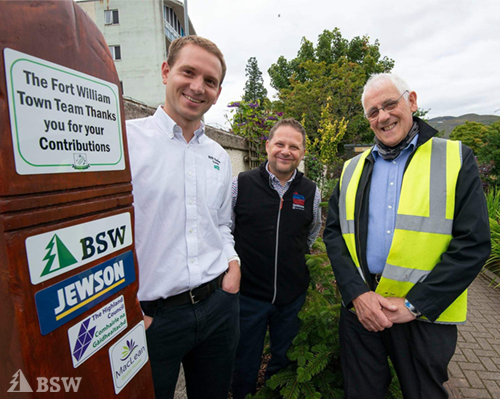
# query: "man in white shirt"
189,270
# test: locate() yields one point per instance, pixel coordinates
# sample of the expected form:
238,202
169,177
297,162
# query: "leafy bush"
314,371
493,201
253,121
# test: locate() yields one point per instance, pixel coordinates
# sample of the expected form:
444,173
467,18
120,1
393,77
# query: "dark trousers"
419,351
204,337
255,316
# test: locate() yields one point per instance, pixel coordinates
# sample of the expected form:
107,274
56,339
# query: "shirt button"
190,173
390,206
192,260
391,183
394,162
388,231
190,202
190,230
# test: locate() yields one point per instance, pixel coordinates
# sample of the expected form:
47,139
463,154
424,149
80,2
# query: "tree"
472,134
254,86
331,73
330,49
490,152
253,122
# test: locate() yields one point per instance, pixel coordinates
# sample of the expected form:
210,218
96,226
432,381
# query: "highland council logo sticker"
93,333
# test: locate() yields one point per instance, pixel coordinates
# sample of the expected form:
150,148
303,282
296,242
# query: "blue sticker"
62,302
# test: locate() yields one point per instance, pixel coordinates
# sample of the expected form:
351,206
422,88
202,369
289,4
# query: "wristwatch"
413,310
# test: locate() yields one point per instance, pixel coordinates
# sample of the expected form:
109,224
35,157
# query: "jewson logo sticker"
93,333
56,252
62,302
128,356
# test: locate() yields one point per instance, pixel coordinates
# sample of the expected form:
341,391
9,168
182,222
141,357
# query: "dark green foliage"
490,152
472,134
332,74
314,371
485,142
254,86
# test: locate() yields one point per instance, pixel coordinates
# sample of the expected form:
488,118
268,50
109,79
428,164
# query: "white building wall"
238,163
140,35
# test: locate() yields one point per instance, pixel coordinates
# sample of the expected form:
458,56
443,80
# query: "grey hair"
377,80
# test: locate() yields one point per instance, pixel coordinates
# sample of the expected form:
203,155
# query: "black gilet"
271,237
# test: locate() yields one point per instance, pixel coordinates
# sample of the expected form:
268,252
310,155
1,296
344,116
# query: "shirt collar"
273,177
168,126
410,146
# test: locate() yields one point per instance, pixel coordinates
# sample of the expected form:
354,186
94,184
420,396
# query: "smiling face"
284,152
192,85
390,128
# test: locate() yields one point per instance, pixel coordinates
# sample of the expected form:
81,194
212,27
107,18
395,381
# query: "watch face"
412,309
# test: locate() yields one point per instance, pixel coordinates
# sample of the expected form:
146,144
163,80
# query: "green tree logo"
56,248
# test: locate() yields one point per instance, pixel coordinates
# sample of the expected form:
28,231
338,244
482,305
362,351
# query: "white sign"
93,333
59,251
62,120
128,356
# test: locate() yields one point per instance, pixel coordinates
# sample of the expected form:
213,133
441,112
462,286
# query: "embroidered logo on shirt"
298,201
215,161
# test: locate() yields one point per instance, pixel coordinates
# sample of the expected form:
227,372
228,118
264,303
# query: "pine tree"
254,86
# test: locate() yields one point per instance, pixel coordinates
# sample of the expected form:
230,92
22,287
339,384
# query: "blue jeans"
204,337
255,316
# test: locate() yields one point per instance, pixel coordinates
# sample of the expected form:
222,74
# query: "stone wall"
236,147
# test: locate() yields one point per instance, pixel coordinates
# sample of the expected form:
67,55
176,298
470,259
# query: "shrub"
314,371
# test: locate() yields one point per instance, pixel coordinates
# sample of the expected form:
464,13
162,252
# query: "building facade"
138,34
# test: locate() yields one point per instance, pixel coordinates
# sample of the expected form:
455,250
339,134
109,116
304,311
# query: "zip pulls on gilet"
277,239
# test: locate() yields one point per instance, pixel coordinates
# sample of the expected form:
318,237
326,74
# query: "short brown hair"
211,47
293,123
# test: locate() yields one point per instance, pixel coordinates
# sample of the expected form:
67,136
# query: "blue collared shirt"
387,177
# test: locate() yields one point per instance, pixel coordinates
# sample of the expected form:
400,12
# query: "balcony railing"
170,32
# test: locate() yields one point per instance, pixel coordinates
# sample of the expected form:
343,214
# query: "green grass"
493,262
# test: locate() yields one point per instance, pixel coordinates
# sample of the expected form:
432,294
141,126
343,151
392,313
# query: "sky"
447,51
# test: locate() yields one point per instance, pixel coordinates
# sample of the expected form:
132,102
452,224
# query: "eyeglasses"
388,107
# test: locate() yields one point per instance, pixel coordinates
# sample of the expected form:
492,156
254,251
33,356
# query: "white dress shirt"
182,201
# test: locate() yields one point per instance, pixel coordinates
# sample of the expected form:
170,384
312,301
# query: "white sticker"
62,120
59,251
93,333
128,356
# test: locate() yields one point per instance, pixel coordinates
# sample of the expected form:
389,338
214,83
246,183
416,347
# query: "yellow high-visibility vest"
424,220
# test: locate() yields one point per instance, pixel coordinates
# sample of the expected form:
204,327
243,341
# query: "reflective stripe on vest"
424,220
349,181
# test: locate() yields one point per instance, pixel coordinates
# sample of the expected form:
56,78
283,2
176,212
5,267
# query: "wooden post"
70,320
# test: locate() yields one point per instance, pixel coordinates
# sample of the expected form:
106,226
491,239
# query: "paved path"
475,367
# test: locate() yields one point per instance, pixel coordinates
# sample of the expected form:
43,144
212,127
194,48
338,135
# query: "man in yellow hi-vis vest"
407,232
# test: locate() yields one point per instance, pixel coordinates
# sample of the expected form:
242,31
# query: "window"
111,17
173,21
115,52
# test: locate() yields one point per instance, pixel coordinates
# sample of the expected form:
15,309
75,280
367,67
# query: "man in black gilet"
277,219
